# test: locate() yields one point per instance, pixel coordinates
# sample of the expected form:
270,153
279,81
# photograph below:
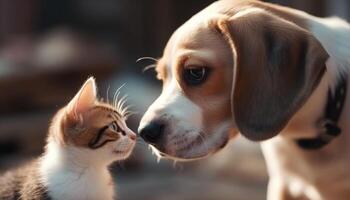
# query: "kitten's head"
93,129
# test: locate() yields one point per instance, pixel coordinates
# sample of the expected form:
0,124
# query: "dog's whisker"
147,58
174,164
158,159
148,67
203,141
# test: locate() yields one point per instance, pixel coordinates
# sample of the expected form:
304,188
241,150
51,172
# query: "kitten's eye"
114,127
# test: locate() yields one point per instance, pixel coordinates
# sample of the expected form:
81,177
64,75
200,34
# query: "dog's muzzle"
152,132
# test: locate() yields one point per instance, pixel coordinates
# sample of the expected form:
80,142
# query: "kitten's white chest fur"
72,179
85,137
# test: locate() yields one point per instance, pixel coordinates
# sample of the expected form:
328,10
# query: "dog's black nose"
152,132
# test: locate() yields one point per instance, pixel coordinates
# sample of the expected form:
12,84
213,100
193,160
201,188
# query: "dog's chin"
194,152
178,157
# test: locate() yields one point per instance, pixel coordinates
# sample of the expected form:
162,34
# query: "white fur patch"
69,178
184,137
214,140
334,35
172,103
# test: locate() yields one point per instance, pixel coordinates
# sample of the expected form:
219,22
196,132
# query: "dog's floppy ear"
277,65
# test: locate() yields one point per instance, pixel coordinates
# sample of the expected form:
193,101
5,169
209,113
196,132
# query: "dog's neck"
304,122
307,123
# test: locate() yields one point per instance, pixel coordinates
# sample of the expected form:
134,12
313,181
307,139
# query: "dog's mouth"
185,148
161,154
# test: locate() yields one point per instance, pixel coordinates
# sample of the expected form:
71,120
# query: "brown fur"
281,11
24,184
97,117
208,35
288,64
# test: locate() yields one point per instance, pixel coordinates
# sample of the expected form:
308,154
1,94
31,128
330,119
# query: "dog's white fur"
172,105
333,33
294,173
182,116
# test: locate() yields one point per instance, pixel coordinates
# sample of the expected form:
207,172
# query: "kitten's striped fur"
84,138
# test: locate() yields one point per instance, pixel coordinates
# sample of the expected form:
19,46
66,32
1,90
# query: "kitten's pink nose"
132,136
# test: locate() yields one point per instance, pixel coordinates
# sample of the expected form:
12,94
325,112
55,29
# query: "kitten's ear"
83,100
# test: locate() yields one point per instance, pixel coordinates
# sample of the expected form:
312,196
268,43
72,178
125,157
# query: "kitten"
84,138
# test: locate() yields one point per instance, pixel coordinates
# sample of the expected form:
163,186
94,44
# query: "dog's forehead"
190,37
199,35
180,40
197,27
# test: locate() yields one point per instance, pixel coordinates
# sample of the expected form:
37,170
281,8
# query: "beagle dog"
273,74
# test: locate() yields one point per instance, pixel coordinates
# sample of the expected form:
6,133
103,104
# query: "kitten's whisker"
116,94
121,103
125,110
107,98
115,100
122,100
114,97
120,106
133,112
130,113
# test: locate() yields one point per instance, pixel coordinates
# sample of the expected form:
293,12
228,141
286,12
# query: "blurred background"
49,47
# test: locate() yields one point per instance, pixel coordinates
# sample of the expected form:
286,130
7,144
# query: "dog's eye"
195,75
